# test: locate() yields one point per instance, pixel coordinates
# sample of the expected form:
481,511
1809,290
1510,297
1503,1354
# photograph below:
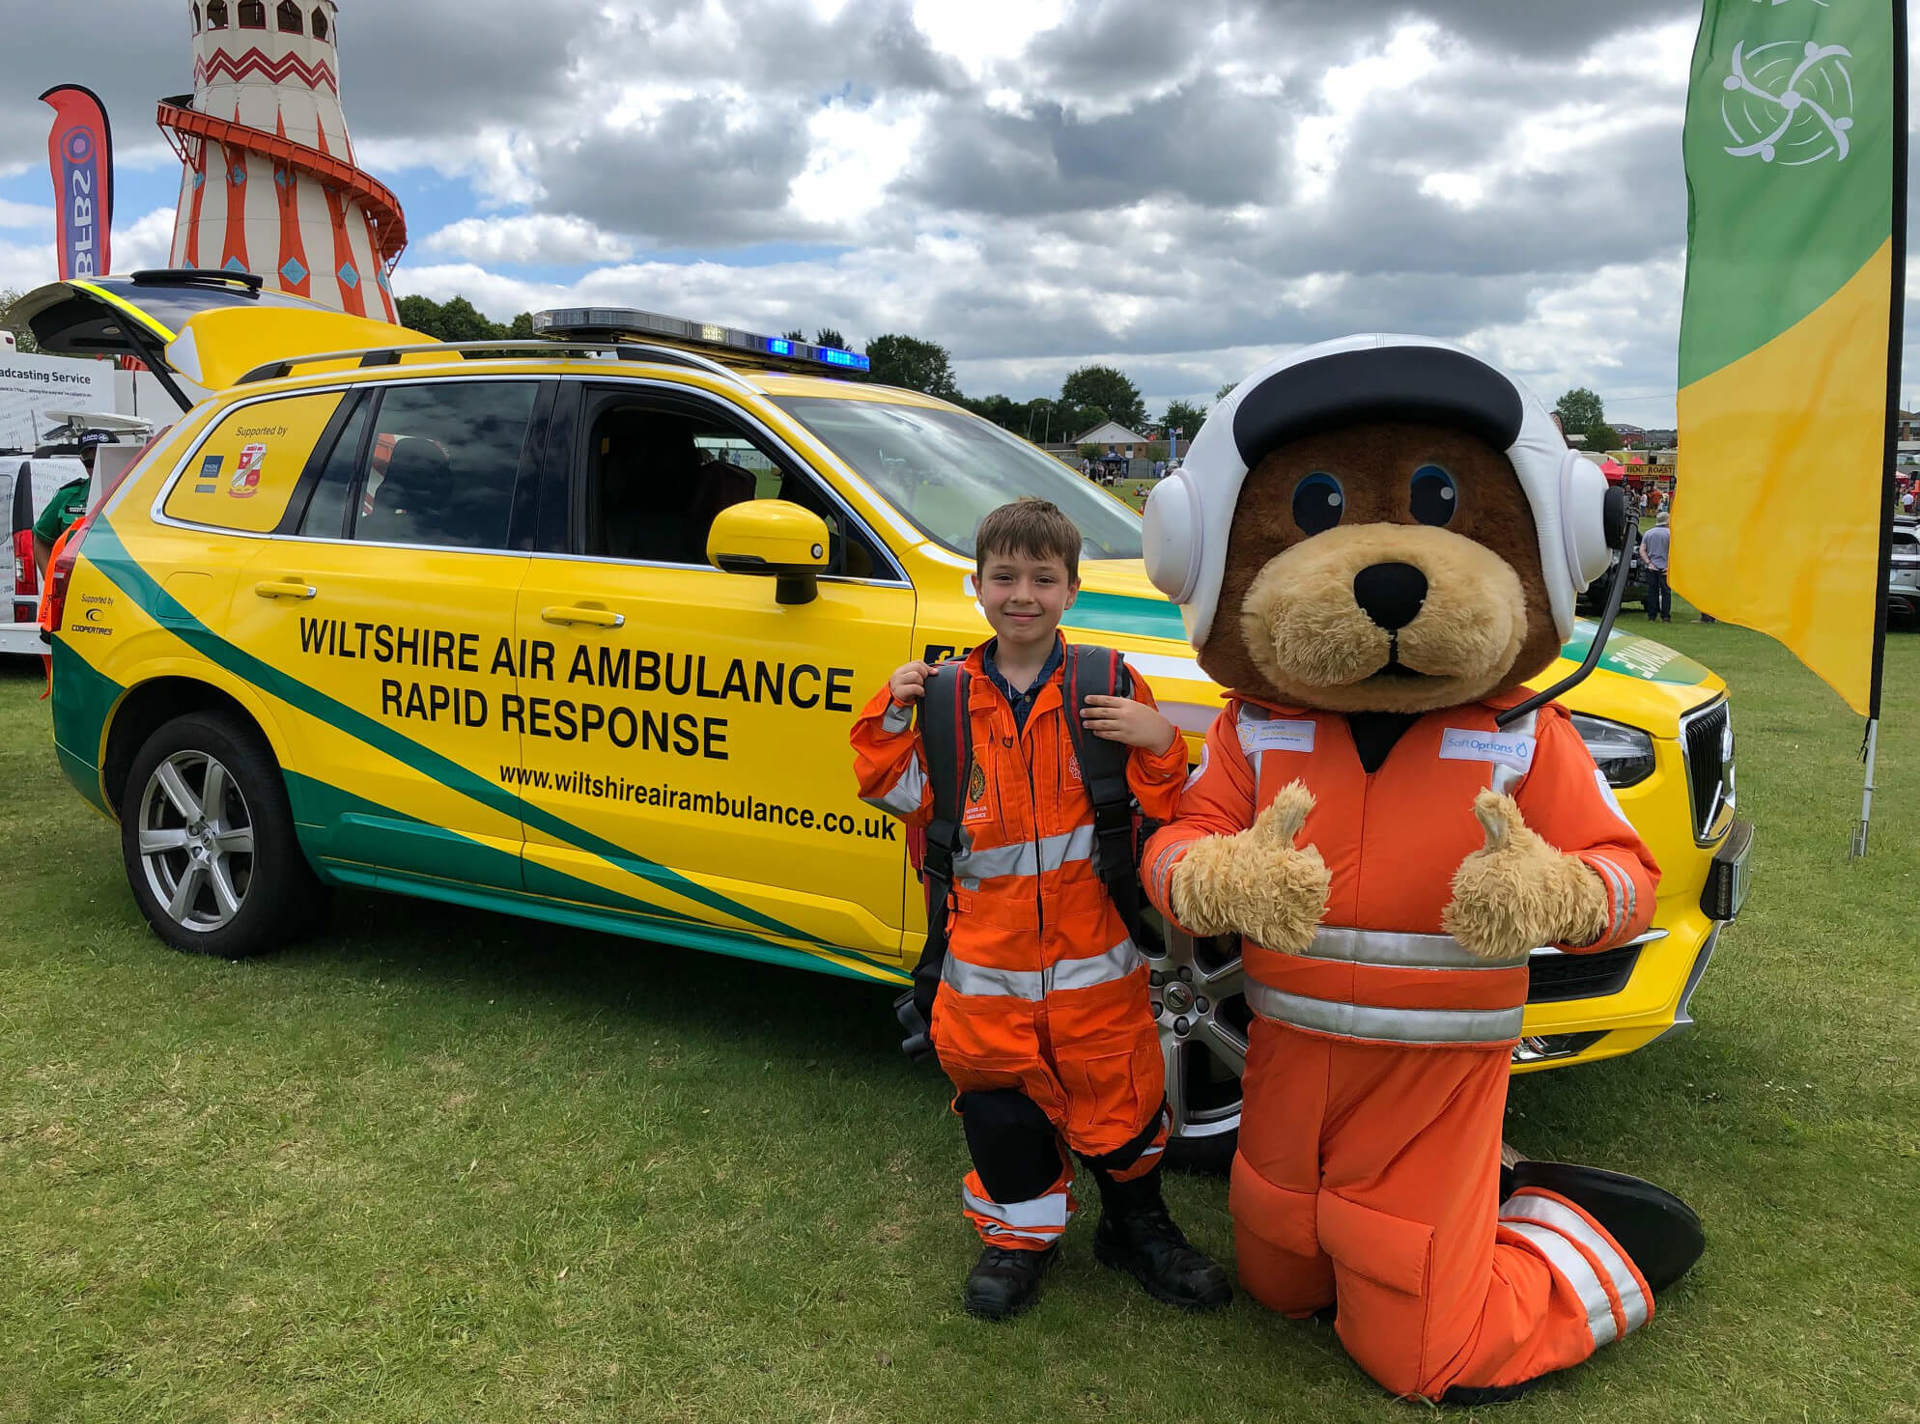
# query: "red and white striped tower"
270,183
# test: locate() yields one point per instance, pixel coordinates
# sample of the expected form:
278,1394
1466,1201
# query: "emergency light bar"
622,323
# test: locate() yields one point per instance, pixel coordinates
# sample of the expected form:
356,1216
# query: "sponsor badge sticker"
209,476
245,483
1502,748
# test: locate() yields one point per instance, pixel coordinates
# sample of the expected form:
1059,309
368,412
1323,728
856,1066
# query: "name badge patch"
1276,736
1505,748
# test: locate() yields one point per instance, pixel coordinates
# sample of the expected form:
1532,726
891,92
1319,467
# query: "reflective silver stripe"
1368,1021
1529,1206
1572,1267
1035,984
1116,963
1630,897
965,978
1161,872
1610,875
1021,858
1402,951
1026,1218
904,798
896,718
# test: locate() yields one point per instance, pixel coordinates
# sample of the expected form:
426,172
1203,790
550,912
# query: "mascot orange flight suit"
1375,542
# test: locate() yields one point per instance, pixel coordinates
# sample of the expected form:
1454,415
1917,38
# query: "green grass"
441,1166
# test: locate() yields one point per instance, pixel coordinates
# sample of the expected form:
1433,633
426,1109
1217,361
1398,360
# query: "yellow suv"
576,631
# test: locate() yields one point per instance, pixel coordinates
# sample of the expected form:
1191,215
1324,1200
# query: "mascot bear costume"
1375,542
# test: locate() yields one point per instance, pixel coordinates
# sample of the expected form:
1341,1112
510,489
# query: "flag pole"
1896,314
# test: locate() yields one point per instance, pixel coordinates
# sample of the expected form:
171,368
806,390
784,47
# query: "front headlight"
1623,754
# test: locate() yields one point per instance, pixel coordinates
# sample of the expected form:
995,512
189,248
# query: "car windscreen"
945,469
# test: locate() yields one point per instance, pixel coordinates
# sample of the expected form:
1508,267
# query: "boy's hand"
1121,719
909,681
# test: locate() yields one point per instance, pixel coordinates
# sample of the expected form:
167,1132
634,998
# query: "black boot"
1137,1235
1653,1226
1003,1283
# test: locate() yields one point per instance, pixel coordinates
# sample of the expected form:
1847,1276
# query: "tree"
795,335
452,320
1578,409
827,336
522,328
907,361
1183,417
1226,389
1581,413
1108,389
1001,410
22,336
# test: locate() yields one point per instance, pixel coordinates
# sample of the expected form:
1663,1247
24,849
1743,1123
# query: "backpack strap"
1092,670
946,745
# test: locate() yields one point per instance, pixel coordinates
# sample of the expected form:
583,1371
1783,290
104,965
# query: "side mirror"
771,536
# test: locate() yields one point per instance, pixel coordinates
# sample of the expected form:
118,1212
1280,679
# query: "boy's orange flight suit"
1376,1075
1043,990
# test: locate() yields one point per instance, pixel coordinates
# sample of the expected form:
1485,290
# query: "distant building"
1115,439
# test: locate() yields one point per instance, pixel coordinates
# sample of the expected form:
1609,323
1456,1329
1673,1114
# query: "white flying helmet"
1362,378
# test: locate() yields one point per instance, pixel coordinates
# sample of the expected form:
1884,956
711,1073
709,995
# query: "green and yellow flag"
1789,336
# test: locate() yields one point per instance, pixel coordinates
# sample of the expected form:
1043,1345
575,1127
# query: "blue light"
779,346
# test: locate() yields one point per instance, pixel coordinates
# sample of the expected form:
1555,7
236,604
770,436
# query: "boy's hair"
1029,526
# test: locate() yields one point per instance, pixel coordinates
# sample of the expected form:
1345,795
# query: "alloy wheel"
196,841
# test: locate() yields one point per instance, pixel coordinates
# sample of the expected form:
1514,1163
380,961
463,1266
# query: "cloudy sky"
1179,190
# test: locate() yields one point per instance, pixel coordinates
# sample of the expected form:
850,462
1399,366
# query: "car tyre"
207,836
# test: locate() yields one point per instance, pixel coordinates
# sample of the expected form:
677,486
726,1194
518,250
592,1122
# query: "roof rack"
391,356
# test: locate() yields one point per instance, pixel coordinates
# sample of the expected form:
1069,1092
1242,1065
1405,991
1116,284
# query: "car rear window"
245,471
172,305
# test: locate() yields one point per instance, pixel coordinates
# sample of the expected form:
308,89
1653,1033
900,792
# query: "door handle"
573,613
285,588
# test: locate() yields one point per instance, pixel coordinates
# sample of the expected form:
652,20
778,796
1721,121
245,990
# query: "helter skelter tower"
270,183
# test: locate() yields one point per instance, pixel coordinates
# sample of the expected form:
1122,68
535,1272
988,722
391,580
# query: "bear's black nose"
1390,594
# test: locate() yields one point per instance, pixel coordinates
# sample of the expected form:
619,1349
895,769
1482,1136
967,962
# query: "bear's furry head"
1407,531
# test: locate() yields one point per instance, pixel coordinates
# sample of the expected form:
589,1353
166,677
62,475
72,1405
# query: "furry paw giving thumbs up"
1257,883
1517,892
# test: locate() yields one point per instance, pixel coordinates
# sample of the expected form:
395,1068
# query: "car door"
685,734
384,607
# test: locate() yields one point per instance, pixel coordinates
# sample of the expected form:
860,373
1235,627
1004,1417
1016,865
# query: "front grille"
1703,740
1556,977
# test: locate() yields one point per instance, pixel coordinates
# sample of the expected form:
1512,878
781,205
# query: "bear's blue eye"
1433,496
1318,503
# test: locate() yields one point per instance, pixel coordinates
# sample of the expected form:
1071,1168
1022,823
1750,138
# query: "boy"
1041,1017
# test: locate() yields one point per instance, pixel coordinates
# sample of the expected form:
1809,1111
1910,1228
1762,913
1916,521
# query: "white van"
27,483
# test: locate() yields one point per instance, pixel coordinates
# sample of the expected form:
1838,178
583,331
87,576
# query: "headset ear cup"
1583,518
1171,537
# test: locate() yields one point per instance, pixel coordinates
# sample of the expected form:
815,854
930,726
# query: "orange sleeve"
1217,800
1566,799
887,760
1155,776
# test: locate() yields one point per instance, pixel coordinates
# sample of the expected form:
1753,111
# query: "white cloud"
983,33
146,242
546,238
1398,66
855,153
25,215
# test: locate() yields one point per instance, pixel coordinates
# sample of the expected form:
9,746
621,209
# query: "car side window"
325,516
657,473
441,464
